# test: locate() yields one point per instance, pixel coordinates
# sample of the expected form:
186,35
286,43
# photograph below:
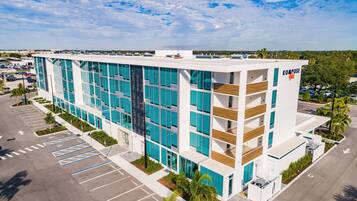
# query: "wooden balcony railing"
253,133
251,154
222,158
251,112
224,136
225,113
229,89
257,87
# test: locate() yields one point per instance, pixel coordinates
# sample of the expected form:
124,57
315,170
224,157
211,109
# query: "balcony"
229,89
250,154
224,158
254,111
252,133
227,113
257,87
224,136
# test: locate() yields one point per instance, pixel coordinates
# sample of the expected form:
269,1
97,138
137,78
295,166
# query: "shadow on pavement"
5,151
349,194
9,188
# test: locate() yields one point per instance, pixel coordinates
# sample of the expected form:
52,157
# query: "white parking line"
34,147
134,182
40,145
154,198
28,149
147,197
15,153
102,186
9,155
96,177
146,191
133,189
2,158
22,151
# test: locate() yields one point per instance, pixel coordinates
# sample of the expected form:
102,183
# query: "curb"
58,132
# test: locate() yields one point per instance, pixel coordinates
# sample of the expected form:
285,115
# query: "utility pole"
23,83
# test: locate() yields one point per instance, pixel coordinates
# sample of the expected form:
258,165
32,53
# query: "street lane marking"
22,151
113,182
155,198
146,196
96,177
40,145
65,139
70,149
146,191
0,137
15,153
77,158
125,192
21,132
9,155
28,149
134,182
34,147
2,158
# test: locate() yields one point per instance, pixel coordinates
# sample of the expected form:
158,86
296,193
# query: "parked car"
11,78
6,90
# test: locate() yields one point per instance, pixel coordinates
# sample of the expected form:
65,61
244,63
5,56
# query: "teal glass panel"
98,122
91,118
115,116
201,122
151,74
105,98
125,104
124,71
201,100
203,79
113,70
152,94
152,112
276,76
125,88
163,156
199,142
248,173
168,97
153,150
272,119
126,120
153,131
217,179
188,167
103,68
273,101
78,112
168,118
72,109
114,85
84,115
168,76
270,139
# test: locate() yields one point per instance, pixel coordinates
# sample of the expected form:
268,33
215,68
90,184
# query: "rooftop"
286,147
188,62
308,122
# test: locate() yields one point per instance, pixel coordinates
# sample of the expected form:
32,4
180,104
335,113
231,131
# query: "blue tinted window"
273,101
276,76
272,119
248,172
217,179
270,140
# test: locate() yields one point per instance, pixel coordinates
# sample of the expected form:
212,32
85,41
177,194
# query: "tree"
49,119
2,84
196,189
263,53
306,96
340,118
172,197
18,92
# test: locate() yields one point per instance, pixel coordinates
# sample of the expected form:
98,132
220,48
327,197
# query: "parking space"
100,177
32,117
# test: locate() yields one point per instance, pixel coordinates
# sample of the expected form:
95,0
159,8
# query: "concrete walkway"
159,174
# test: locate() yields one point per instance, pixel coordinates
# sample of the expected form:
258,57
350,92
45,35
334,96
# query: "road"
332,178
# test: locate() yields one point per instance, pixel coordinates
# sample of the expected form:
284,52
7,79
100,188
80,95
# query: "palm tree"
49,119
2,84
263,53
172,197
18,92
196,189
340,118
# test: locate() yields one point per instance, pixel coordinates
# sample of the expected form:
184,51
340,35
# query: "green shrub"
306,96
50,130
295,168
103,138
81,125
50,107
328,146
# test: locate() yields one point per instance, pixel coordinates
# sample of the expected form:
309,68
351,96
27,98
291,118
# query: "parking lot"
101,178
31,116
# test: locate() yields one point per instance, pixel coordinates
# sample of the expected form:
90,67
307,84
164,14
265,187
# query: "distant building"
233,118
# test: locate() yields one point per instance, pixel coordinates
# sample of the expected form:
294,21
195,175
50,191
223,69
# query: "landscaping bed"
81,125
328,146
50,107
169,181
296,168
21,104
326,134
103,138
50,130
151,168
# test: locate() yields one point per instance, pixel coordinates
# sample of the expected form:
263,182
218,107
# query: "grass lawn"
50,130
151,168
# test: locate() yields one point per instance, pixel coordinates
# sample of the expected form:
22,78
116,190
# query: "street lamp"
145,153
23,83
53,100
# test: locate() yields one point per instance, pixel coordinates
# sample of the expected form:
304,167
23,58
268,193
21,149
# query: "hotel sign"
291,73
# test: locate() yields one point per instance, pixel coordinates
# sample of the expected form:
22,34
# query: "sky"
179,24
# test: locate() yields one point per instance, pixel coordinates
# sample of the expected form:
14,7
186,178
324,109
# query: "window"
199,142
168,76
201,100
272,119
276,76
153,150
201,122
270,140
230,184
273,101
152,94
217,179
202,79
188,167
153,131
248,173
151,74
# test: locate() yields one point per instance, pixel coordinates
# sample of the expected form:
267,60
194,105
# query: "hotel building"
235,119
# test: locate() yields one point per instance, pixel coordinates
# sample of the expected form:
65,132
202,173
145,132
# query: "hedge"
103,138
81,125
50,107
50,130
296,168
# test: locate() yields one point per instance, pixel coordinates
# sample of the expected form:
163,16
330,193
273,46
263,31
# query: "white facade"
240,114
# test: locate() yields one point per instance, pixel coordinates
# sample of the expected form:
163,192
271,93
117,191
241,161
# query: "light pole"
23,83
145,153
